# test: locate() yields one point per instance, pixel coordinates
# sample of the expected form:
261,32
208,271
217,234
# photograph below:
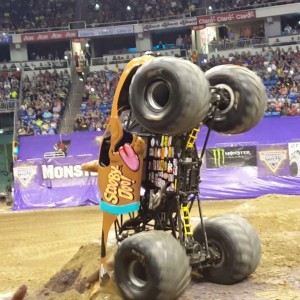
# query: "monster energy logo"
219,157
231,157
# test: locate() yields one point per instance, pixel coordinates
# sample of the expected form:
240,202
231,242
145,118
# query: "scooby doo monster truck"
149,176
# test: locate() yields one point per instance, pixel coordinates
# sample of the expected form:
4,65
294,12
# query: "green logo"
219,157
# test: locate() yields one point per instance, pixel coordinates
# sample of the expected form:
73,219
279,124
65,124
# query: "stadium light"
128,8
209,8
97,6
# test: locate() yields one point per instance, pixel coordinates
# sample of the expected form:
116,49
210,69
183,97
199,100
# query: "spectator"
179,42
288,29
76,59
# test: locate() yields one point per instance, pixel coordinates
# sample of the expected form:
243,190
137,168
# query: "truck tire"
233,241
295,164
247,98
151,265
253,238
169,95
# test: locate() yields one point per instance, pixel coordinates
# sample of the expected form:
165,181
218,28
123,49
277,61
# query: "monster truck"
148,175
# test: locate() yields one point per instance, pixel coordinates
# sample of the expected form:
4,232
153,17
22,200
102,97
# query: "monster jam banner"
56,182
258,162
48,172
273,160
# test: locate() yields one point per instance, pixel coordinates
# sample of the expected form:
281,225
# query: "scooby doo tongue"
129,157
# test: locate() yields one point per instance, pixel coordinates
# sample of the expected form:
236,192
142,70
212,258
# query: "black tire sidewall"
224,240
139,105
124,258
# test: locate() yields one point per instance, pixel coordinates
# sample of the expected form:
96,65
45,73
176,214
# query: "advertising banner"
56,182
231,157
105,31
227,17
5,39
170,24
258,162
49,36
273,160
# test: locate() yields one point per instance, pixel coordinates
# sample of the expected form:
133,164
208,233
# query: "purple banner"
261,161
55,182
5,39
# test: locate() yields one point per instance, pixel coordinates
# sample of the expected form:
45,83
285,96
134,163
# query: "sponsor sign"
49,36
64,172
199,27
5,39
227,17
231,157
294,158
273,160
170,24
24,174
105,31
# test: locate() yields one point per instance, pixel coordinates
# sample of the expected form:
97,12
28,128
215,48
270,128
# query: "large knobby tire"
295,163
151,266
237,244
247,98
169,95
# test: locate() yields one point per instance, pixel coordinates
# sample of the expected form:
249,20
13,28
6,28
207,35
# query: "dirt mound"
78,279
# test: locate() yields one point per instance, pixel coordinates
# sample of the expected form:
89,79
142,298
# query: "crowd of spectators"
116,10
24,15
20,15
97,100
43,102
9,85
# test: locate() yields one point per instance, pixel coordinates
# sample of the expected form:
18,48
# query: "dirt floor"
55,252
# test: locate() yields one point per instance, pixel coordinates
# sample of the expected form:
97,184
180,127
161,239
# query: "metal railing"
247,43
7,105
34,65
98,61
235,44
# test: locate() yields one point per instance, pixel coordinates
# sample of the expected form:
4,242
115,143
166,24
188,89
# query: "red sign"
49,36
199,27
227,17
80,40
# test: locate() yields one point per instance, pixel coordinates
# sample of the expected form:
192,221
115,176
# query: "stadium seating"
43,101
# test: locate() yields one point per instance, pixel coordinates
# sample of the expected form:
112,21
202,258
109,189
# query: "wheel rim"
217,252
229,94
137,274
158,95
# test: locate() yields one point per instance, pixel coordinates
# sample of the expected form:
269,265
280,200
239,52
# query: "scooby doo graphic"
148,176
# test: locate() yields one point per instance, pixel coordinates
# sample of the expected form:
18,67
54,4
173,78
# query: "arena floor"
36,245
